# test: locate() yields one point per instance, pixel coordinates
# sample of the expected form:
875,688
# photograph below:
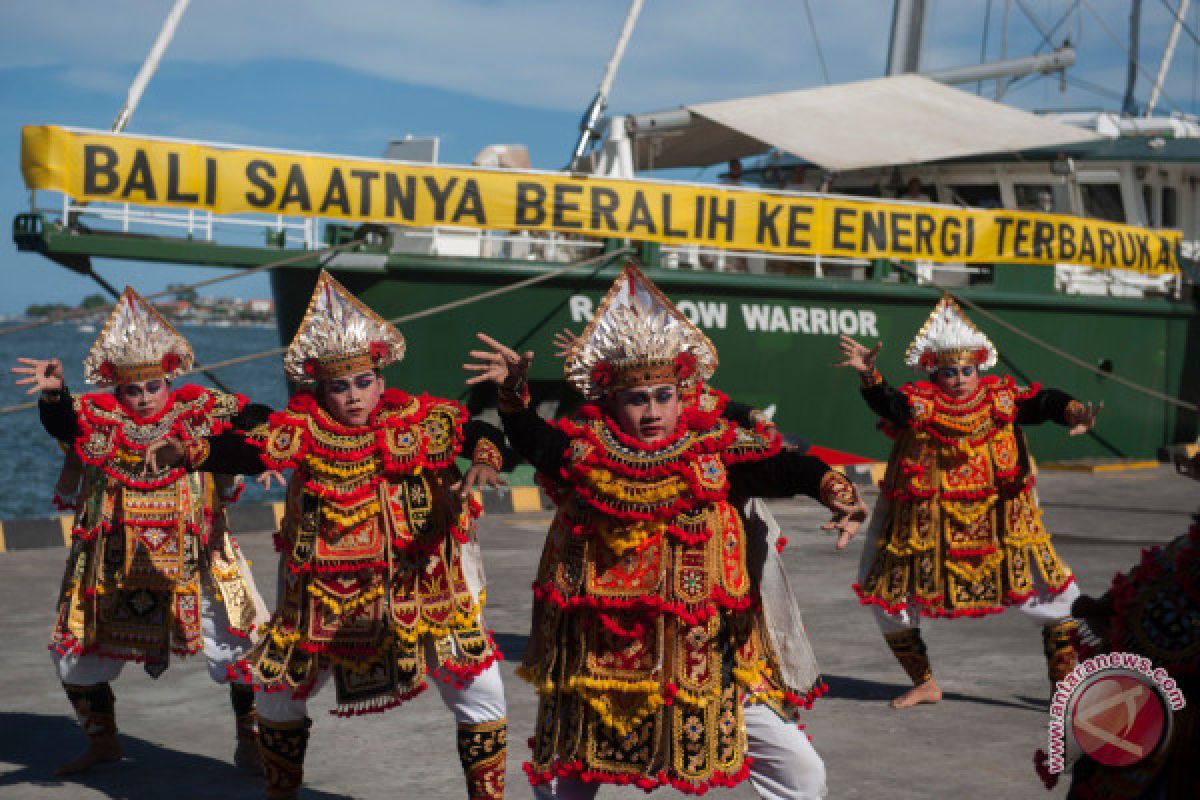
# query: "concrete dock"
978,742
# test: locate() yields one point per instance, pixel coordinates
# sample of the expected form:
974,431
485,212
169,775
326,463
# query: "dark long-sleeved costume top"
647,635
961,533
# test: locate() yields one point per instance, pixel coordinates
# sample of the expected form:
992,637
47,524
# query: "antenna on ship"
587,125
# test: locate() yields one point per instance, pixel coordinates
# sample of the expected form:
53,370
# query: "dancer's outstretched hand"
478,476
1085,419
564,340
41,375
264,480
162,455
856,356
847,519
498,364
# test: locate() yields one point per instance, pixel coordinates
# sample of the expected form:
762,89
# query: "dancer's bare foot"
100,751
927,692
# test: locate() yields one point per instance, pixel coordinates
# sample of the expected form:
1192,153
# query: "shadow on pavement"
876,691
37,743
512,645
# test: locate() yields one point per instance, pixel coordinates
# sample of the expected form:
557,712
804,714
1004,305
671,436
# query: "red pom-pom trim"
170,362
685,365
108,371
603,374
310,367
928,361
379,352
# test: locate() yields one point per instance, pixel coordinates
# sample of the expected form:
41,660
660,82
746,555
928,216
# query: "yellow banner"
95,166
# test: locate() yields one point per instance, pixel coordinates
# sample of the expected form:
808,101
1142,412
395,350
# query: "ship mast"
149,66
587,125
908,34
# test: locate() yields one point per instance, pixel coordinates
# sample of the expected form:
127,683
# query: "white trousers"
221,649
785,766
1043,608
480,700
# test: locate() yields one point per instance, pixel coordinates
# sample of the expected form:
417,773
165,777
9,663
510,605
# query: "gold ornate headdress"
339,336
638,338
948,338
137,344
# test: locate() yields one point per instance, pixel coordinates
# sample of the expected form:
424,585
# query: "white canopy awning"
903,119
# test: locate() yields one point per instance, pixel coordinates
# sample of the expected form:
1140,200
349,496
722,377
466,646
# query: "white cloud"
549,53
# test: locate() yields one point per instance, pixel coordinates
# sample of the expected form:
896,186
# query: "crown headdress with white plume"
949,338
137,344
339,336
638,337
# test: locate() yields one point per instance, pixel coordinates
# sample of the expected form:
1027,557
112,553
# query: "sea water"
30,459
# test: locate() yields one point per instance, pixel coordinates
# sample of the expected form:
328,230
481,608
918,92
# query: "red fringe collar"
189,408
932,608
986,395
394,412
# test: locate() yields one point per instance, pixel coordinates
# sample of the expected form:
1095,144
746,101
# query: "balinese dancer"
649,649
380,583
957,531
153,569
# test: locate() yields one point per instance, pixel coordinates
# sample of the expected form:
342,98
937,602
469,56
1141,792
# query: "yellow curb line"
1121,466
526,499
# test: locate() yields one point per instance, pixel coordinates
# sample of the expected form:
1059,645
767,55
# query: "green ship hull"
776,334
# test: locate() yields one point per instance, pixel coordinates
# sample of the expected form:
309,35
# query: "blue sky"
345,77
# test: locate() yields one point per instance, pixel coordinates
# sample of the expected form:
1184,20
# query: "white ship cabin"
913,139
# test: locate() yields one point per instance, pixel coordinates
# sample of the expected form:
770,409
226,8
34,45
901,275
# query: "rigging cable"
1137,64
79,313
599,261
812,25
1050,348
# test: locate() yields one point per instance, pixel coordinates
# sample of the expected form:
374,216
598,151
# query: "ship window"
1034,196
1103,201
1170,209
979,195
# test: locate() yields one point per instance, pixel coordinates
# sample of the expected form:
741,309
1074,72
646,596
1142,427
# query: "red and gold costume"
964,535
648,639
379,574
958,531
143,545
370,544
153,569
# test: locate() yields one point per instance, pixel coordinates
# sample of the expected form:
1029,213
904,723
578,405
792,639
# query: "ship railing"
195,223
475,243
1083,280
